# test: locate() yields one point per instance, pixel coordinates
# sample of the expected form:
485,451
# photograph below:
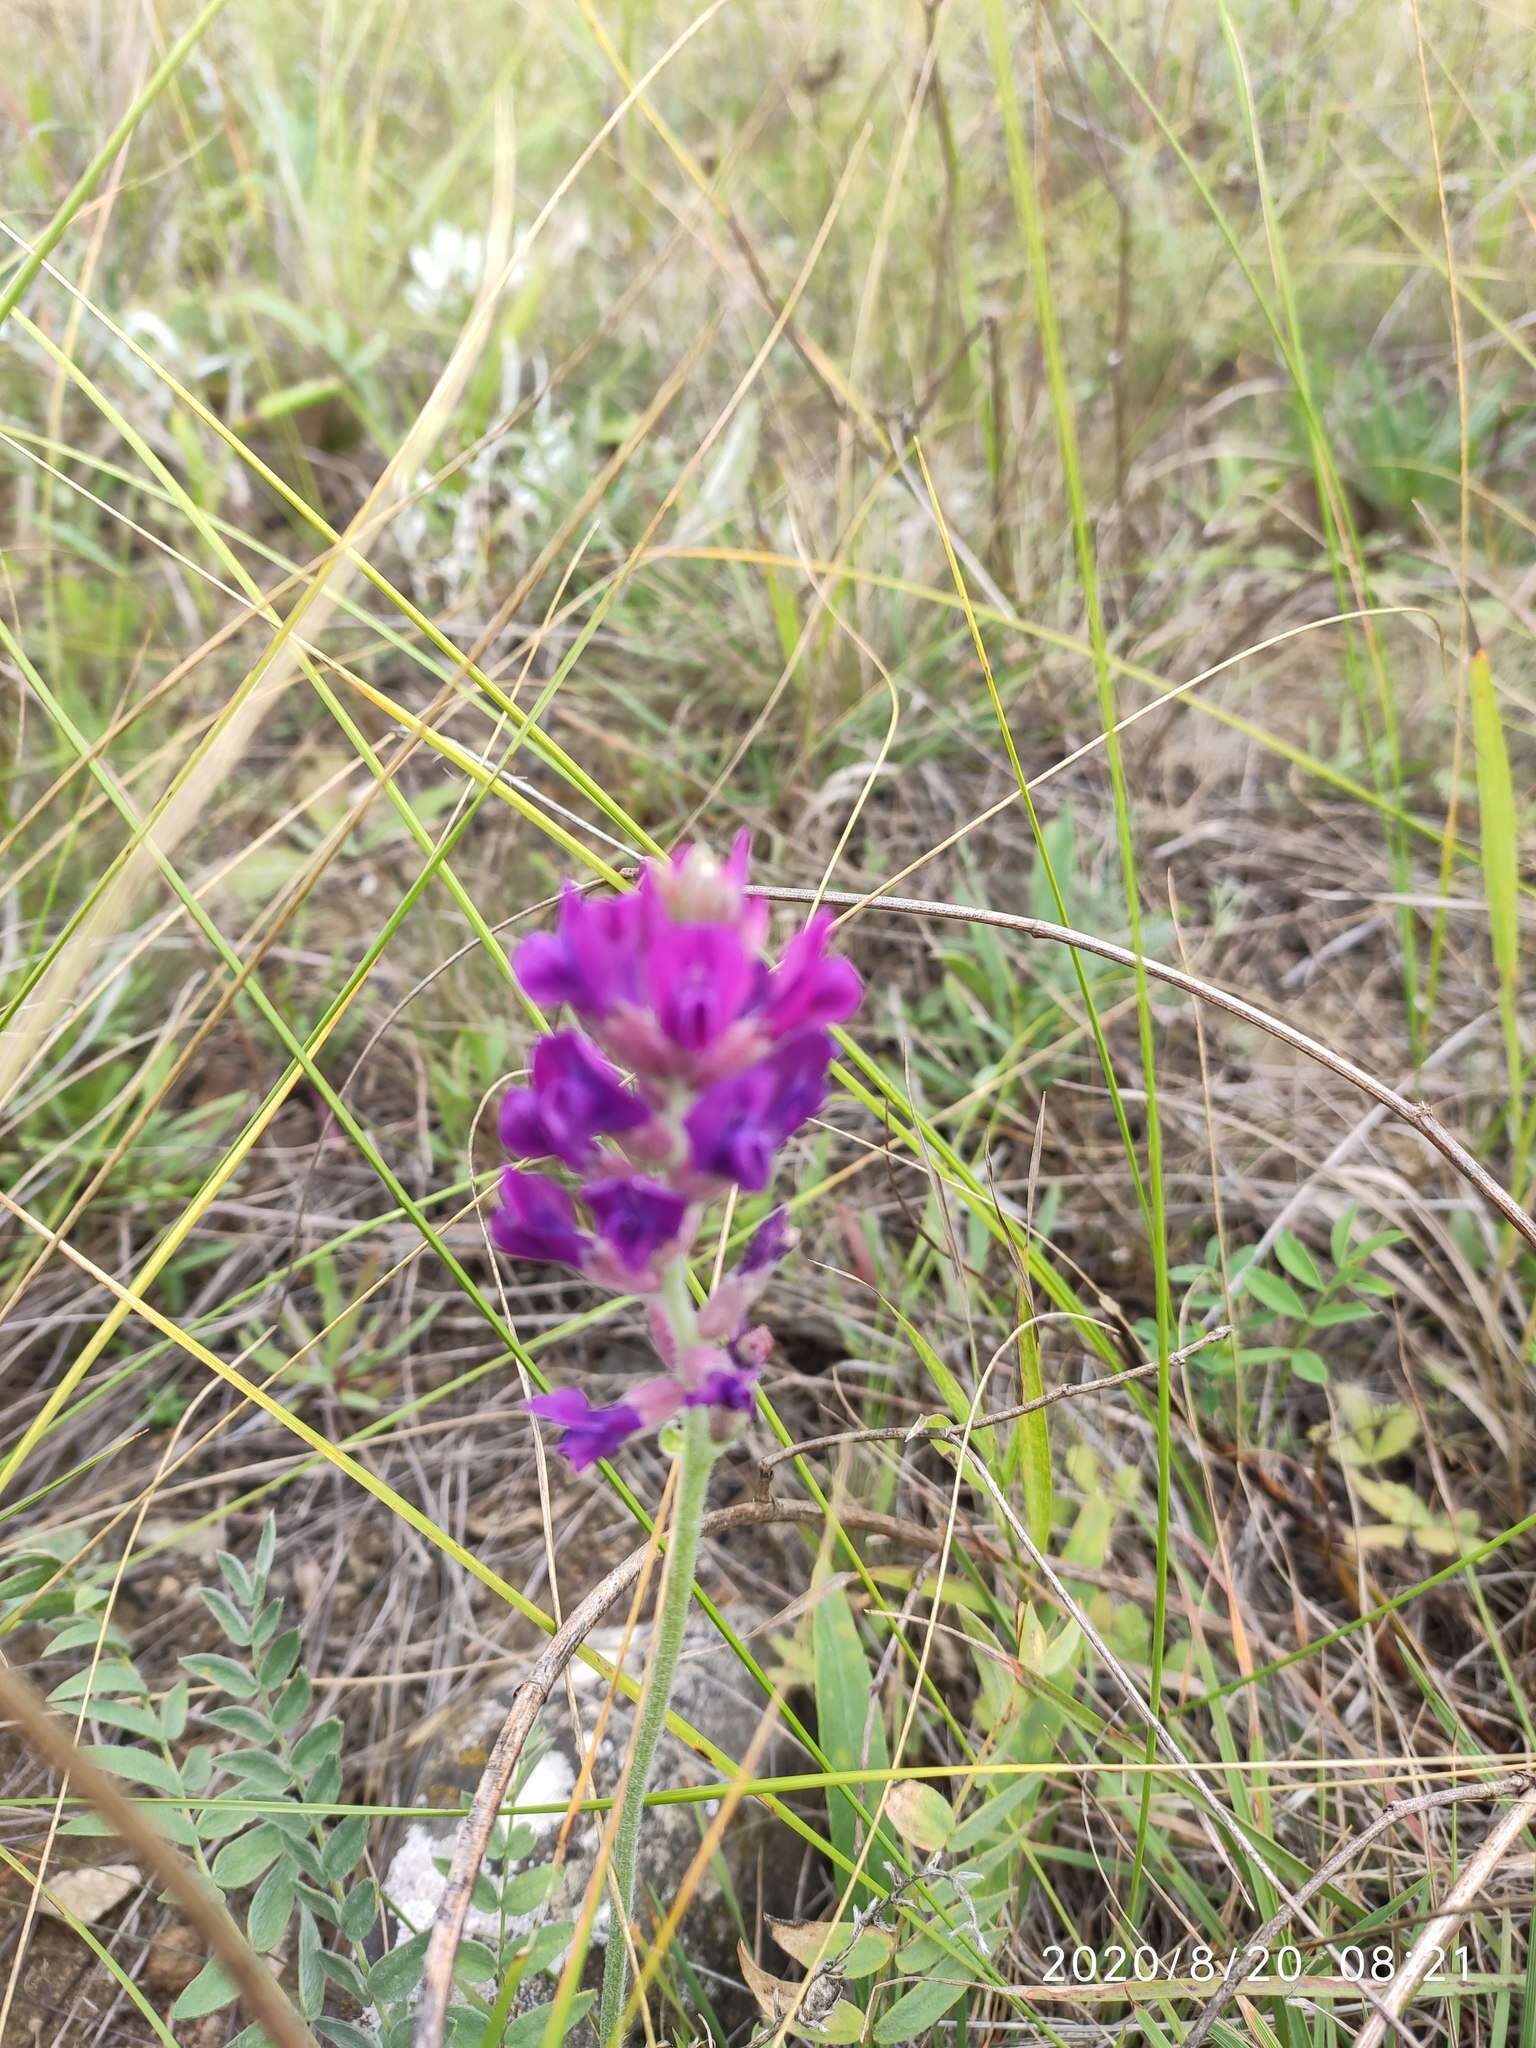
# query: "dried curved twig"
1417,1115
47,1734
944,1433
527,1703
1518,1782
1435,1938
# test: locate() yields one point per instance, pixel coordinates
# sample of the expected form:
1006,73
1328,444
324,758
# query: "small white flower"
447,265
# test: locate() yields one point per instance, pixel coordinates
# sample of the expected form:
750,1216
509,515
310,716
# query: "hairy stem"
698,1458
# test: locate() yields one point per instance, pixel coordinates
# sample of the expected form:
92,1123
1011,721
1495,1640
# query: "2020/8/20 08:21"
1199,1964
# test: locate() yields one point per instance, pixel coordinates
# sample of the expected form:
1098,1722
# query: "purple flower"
590,960
576,1098
701,976
537,1220
635,1218
728,1387
807,987
735,1127
711,1378
594,1433
769,1243
590,1433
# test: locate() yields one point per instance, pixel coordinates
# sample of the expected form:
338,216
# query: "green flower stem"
696,1464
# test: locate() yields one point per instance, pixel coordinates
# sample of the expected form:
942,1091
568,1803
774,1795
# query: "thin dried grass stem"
1459,1900
1520,1783
925,1433
1417,1115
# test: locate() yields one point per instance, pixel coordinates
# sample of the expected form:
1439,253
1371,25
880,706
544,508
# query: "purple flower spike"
576,1098
635,1218
591,1434
701,976
537,1220
808,988
735,1128
672,985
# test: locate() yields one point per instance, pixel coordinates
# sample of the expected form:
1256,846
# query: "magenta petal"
729,1137
602,936
799,1068
808,988
523,1130
769,1243
566,1406
591,1433
700,979
738,861
543,964
590,961
580,1098
735,1128
728,1388
537,1220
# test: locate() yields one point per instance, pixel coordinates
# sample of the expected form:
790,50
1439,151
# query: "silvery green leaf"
271,1908
210,1991
223,1672
228,1616
279,1659
174,1709
321,1741
293,1702
360,1909
311,1975
346,1848
241,1862
265,1546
